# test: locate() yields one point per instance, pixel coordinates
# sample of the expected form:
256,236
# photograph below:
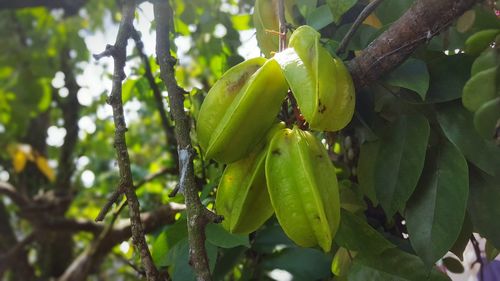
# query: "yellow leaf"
18,160
373,21
43,166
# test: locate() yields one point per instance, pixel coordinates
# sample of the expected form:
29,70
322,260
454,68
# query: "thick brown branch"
115,100
424,20
198,215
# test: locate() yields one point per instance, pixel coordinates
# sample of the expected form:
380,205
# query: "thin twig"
479,259
197,215
116,194
282,25
167,128
9,257
118,52
140,271
360,19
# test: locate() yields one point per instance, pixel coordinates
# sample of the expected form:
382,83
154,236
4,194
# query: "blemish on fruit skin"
237,85
321,107
276,152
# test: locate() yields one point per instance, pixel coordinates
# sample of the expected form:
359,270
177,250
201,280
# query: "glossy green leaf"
390,10
436,211
400,160
453,265
484,207
342,262
320,17
356,234
412,75
167,239
486,118
366,169
480,41
303,263
221,238
269,238
458,247
448,75
480,89
458,127
393,265
339,7
178,261
486,60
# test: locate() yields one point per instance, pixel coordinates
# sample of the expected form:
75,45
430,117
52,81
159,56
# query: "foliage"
418,166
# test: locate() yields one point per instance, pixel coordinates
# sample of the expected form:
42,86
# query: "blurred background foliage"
56,137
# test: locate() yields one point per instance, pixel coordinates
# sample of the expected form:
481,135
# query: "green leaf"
390,10
341,262
220,237
267,239
393,265
458,127
486,118
453,265
400,160
178,261
166,240
486,60
484,205
339,7
303,263
412,75
228,259
357,235
320,17
436,211
458,247
448,75
479,41
306,6
366,169
490,251
241,21
480,89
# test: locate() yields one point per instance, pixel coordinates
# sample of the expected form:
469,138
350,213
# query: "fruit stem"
282,25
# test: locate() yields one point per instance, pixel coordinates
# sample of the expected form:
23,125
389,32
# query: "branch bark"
118,51
197,215
87,261
167,129
424,20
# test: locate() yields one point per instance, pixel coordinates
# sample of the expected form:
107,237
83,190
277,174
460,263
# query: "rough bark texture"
118,51
424,20
197,215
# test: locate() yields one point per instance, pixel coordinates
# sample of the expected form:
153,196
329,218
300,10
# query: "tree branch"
197,215
359,20
167,129
86,262
8,190
115,100
424,20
